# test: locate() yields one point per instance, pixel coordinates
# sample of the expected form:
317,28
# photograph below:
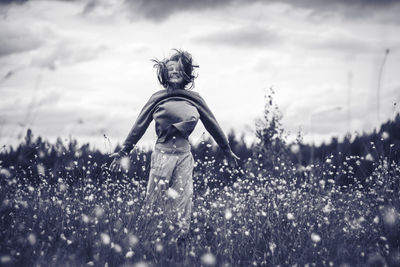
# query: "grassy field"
289,217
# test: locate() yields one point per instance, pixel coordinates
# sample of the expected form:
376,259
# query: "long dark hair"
186,65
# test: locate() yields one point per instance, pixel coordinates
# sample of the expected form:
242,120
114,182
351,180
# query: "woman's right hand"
116,163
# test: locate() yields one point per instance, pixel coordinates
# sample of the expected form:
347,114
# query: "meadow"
61,206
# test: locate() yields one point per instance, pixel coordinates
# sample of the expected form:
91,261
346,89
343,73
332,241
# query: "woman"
175,111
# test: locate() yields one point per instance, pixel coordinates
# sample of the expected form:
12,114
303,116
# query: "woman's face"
175,78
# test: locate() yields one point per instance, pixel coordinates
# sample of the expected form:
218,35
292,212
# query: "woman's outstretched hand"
116,163
232,159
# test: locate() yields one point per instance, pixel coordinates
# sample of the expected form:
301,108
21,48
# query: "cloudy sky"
82,68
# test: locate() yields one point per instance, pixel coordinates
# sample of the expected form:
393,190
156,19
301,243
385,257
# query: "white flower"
32,239
129,254
208,259
315,238
290,216
105,238
172,193
228,214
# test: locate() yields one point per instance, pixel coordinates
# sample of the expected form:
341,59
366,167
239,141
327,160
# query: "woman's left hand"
232,159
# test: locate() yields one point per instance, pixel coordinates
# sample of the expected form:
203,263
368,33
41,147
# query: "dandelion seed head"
172,193
295,148
32,239
141,264
290,216
315,237
6,173
208,259
85,218
5,259
98,211
105,238
228,214
390,216
369,157
159,247
129,254
62,187
272,247
133,240
41,169
117,248
327,208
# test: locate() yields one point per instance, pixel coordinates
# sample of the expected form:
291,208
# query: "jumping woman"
175,110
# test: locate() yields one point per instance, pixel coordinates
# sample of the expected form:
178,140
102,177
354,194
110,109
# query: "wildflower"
315,238
208,259
133,240
32,239
105,238
327,208
117,248
141,264
62,187
6,173
5,259
272,247
172,193
129,254
85,218
40,169
159,247
295,148
228,214
390,216
384,135
290,216
98,211
369,157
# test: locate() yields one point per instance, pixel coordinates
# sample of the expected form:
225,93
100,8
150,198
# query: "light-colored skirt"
170,189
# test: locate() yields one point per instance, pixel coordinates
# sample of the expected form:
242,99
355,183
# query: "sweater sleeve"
140,126
210,123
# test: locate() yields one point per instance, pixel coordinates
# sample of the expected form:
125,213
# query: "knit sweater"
165,126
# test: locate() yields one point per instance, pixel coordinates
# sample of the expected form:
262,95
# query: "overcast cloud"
83,68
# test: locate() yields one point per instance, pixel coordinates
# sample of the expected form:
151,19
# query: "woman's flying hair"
186,65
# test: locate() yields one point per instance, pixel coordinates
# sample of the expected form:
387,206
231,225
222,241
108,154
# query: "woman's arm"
139,127
210,123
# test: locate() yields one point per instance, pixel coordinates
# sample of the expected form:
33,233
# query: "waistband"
160,147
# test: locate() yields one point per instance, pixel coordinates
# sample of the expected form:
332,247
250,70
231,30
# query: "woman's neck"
174,86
